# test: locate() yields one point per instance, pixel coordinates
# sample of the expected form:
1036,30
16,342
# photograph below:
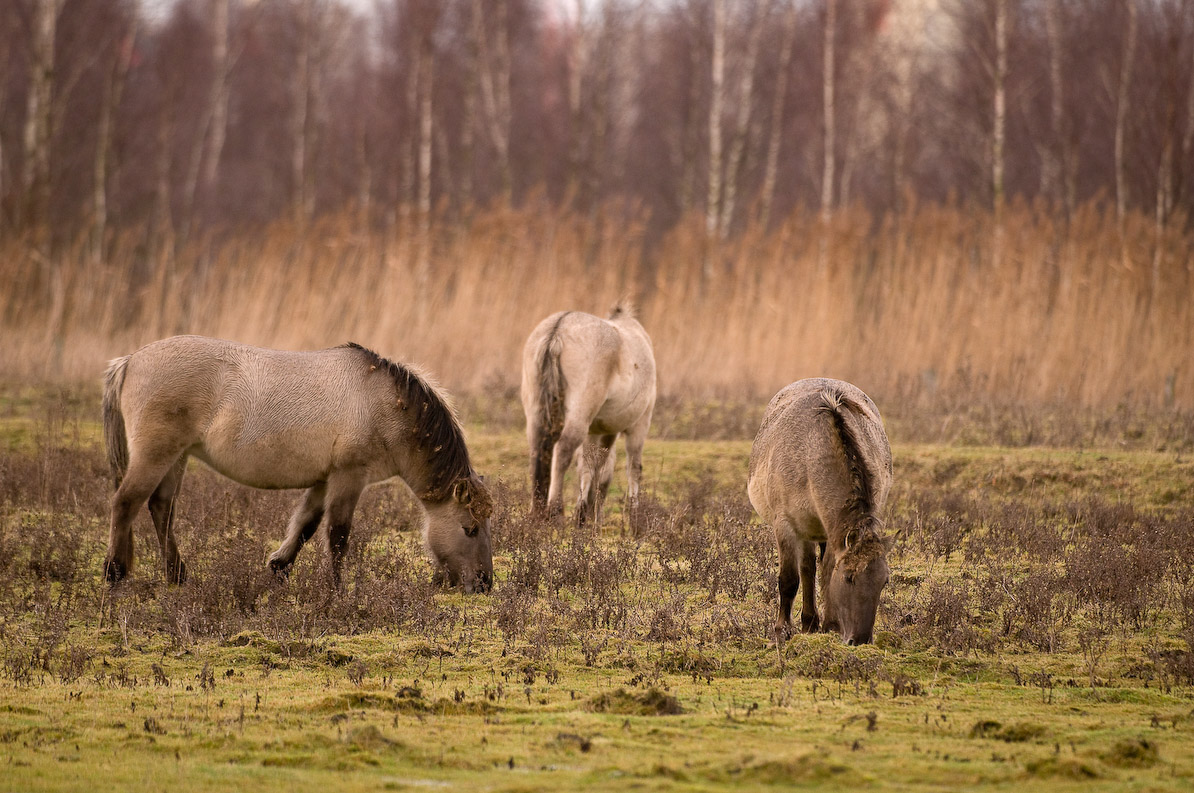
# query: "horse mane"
858,514
437,428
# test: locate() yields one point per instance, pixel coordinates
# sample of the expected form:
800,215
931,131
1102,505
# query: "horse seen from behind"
586,380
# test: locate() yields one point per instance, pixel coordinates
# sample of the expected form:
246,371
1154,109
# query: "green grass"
264,705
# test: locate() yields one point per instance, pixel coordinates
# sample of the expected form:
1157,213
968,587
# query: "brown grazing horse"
585,380
331,422
820,471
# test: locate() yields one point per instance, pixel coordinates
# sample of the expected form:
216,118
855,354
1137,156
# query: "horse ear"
851,538
462,492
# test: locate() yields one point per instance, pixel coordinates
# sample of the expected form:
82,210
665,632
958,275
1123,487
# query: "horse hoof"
781,633
810,624
115,571
280,569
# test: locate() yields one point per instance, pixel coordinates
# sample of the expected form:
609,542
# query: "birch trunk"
1121,113
1055,183
829,122
493,73
218,99
742,120
38,118
578,58
999,128
777,114
113,92
301,127
713,196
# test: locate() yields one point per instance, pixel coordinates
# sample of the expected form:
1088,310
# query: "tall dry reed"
909,307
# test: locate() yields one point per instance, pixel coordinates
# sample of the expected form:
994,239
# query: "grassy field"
1037,633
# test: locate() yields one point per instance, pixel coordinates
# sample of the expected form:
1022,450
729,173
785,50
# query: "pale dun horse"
331,422
820,471
585,380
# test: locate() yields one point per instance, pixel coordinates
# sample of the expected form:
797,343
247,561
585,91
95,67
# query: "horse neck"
410,461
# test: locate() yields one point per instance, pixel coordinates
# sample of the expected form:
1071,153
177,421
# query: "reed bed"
914,307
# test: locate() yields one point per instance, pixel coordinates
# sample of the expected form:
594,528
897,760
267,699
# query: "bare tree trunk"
829,121
689,143
38,119
364,180
494,77
468,143
211,126
424,85
777,113
218,100
303,92
999,126
1187,146
1121,113
113,92
713,197
578,58
1053,172
742,121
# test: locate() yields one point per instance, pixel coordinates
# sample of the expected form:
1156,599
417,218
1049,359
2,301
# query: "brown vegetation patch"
652,702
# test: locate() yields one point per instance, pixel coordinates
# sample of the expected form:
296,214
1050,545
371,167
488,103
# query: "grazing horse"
585,380
331,421
820,470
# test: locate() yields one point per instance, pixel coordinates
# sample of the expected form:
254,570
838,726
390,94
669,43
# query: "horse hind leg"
161,509
571,439
303,524
541,445
140,481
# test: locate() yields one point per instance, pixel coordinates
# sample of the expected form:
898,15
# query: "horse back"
799,469
268,418
613,366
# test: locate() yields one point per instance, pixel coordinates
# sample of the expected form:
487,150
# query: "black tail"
552,387
114,433
858,515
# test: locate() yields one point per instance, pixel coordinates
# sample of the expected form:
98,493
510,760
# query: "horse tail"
858,514
115,437
552,387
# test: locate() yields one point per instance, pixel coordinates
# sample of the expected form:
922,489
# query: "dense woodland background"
921,192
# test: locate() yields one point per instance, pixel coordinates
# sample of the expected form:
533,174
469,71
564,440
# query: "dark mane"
859,511
437,430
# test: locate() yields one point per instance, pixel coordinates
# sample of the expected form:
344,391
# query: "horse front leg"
810,622
596,469
343,492
789,584
303,524
636,438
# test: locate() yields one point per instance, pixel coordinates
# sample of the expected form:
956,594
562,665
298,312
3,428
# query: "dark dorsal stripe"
859,510
437,432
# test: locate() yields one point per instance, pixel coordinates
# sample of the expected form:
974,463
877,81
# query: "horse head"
458,535
857,577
